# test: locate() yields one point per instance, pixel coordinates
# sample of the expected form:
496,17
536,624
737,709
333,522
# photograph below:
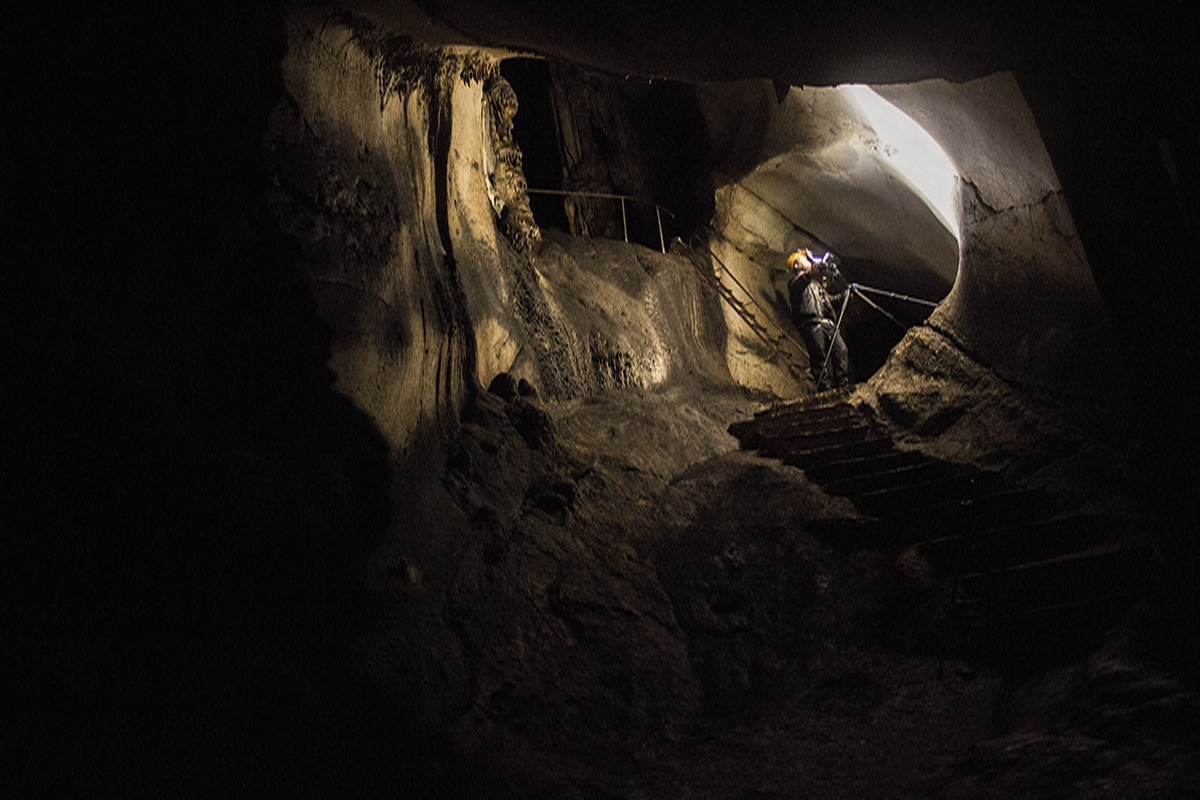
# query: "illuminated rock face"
441,242
396,174
985,127
1024,300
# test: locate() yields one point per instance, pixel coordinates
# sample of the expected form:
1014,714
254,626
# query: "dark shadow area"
1136,214
874,323
535,132
192,494
666,137
674,139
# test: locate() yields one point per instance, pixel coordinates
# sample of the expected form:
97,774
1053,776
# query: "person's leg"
839,362
814,340
825,367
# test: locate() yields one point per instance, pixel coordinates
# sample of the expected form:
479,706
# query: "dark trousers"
821,340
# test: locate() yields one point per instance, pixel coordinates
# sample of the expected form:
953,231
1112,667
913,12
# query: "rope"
893,295
876,306
858,289
836,328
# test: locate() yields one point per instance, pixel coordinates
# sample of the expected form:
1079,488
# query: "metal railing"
622,197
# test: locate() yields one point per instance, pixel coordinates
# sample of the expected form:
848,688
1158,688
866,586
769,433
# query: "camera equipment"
827,272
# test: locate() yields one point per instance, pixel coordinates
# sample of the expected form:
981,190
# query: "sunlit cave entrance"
759,168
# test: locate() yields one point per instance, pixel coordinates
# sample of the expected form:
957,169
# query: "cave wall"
354,148
395,176
1106,116
451,292
455,289
1021,256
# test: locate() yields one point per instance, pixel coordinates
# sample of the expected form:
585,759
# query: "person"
814,315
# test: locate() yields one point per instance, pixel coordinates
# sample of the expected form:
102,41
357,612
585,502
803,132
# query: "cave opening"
879,315
535,131
607,137
667,146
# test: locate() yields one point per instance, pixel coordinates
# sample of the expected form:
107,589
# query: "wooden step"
908,472
996,547
803,439
870,446
958,485
1072,578
1005,507
751,434
806,415
851,467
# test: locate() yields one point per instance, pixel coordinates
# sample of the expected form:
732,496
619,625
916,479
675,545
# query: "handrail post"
658,214
624,224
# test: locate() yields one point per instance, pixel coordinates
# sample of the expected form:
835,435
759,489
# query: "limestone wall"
395,175
1024,300
355,187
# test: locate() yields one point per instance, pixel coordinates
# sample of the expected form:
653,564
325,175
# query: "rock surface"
273,537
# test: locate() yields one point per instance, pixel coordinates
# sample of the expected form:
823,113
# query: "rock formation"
339,474
507,180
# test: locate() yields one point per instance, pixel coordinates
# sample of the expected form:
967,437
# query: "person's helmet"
795,257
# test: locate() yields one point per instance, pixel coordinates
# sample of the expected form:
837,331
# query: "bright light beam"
911,150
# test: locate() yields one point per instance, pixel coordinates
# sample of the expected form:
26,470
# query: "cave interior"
406,402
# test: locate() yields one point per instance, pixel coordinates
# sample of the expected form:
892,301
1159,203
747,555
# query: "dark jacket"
809,301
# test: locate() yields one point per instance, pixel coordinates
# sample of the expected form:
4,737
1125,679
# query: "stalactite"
511,198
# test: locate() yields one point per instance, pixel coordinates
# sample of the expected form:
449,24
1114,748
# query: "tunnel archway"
535,132
1018,292
676,144
805,168
605,137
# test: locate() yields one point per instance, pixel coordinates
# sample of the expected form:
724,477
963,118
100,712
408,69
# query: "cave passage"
916,155
884,203
636,137
535,133
669,143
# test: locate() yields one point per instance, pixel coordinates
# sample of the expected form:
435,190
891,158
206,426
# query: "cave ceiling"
820,43
1134,56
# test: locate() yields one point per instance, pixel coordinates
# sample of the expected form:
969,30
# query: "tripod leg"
832,339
